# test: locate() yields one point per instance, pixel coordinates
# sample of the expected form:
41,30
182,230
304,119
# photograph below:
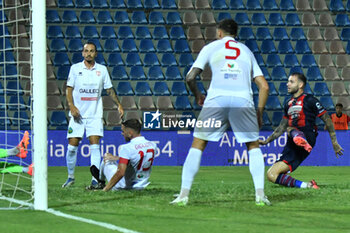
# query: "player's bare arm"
263,87
278,132
330,128
116,177
192,83
74,110
110,157
112,94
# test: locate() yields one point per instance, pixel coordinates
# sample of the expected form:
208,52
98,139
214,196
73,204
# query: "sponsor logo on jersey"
80,73
230,76
89,91
98,73
294,111
231,68
88,98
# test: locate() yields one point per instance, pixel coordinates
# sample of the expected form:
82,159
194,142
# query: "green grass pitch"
222,200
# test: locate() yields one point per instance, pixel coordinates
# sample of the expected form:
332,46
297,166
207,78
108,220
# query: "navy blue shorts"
294,155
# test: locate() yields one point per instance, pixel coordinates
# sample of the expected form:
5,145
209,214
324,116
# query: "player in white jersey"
135,160
85,83
230,101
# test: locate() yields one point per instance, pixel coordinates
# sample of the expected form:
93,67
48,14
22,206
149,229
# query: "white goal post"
23,64
39,104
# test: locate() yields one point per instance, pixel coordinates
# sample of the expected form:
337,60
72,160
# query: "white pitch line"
90,221
69,216
23,203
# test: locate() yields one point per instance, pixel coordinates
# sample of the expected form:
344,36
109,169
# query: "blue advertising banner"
174,145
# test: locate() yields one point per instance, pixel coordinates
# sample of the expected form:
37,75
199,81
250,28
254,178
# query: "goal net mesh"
16,186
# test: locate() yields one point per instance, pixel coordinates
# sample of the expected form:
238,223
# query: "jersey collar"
84,66
137,139
228,38
299,96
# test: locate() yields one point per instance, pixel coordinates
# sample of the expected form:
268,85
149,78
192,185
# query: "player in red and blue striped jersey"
300,113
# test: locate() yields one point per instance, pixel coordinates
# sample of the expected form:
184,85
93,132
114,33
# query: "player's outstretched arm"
330,128
278,132
112,94
192,83
116,177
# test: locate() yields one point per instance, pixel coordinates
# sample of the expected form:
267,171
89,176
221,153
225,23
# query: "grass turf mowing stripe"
61,214
19,202
90,221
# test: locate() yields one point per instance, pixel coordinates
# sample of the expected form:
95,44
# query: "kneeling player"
135,160
300,113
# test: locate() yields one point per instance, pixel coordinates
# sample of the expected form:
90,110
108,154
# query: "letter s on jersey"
229,45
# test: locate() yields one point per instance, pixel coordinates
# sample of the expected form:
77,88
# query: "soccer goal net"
17,108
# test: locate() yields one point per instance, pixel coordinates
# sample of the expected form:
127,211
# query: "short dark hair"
300,76
229,26
339,105
92,43
134,124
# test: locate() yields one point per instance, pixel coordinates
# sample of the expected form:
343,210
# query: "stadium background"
149,45
155,42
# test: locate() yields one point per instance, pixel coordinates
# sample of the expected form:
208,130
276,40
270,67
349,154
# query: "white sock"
102,167
13,151
109,170
71,159
95,156
190,169
303,185
257,169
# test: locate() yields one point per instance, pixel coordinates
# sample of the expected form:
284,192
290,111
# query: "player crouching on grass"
300,113
135,161
20,151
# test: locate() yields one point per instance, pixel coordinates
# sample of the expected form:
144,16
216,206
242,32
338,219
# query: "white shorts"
92,126
239,113
111,167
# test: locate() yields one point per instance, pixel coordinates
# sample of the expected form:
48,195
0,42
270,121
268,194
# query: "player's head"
339,108
296,83
89,51
131,129
227,27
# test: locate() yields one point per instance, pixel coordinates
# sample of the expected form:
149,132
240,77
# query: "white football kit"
87,87
139,154
230,97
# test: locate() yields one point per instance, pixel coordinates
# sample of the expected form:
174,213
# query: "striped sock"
297,133
289,181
